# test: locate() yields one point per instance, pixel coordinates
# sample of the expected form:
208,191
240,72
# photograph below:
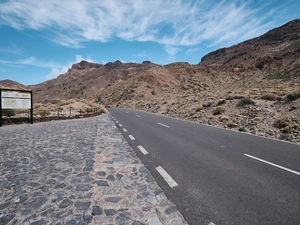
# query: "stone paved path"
77,172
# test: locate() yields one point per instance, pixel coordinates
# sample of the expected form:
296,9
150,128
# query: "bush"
285,126
42,112
199,108
293,96
231,124
290,128
270,97
245,101
281,123
218,110
242,129
206,105
221,102
8,112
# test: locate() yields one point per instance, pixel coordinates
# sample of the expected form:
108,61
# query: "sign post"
16,99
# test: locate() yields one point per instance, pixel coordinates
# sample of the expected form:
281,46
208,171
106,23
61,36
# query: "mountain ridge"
265,70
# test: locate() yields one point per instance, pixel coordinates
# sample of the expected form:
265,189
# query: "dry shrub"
37,105
102,109
218,111
285,125
270,97
22,111
199,108
281,123
83,101
206,105
42,112
224,118
70,101
290,128
63,102
245,101
293,96
231,124
221,102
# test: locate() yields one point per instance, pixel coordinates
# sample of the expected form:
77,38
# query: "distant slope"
277,52
9,84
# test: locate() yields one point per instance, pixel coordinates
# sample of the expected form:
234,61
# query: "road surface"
213,175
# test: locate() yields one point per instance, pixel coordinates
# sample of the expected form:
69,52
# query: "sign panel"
16,100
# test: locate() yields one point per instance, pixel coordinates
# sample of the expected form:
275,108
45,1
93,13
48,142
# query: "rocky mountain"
277,52
252,86
9,84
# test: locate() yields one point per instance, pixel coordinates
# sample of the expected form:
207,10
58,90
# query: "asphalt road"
216,176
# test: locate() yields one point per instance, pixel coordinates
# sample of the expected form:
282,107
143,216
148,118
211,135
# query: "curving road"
216,176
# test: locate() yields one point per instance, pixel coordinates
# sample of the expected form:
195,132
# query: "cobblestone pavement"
77,172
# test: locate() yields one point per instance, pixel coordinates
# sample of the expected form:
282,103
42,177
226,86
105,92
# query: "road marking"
163,125
120,125
137,116
117,121
124,130
273,164
141,148
131,137
166,176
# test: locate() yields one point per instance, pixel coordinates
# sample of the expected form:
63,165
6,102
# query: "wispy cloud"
60,69
12,49
192,50
144,55
168,22
32,61
56,68
171,50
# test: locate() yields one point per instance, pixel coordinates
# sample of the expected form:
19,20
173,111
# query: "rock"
82,205
97,210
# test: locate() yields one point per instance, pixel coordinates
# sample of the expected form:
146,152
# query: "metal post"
0,108
31,110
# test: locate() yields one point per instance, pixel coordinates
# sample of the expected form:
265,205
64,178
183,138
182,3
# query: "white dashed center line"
117,121
163,125
131,137
124,130
137,116
120,125
166,176
272,164
141,148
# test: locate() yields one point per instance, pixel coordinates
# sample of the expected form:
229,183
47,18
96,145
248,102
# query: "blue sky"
41,39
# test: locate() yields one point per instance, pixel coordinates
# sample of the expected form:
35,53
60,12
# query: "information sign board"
16,100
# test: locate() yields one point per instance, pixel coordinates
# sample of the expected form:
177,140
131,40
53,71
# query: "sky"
40,40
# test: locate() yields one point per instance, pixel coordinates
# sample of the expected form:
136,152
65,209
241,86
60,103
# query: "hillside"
264,70
9,84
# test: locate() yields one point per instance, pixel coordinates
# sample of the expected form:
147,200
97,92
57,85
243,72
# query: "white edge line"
163,125
273,164
131,137
167,177
141,148
124,130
